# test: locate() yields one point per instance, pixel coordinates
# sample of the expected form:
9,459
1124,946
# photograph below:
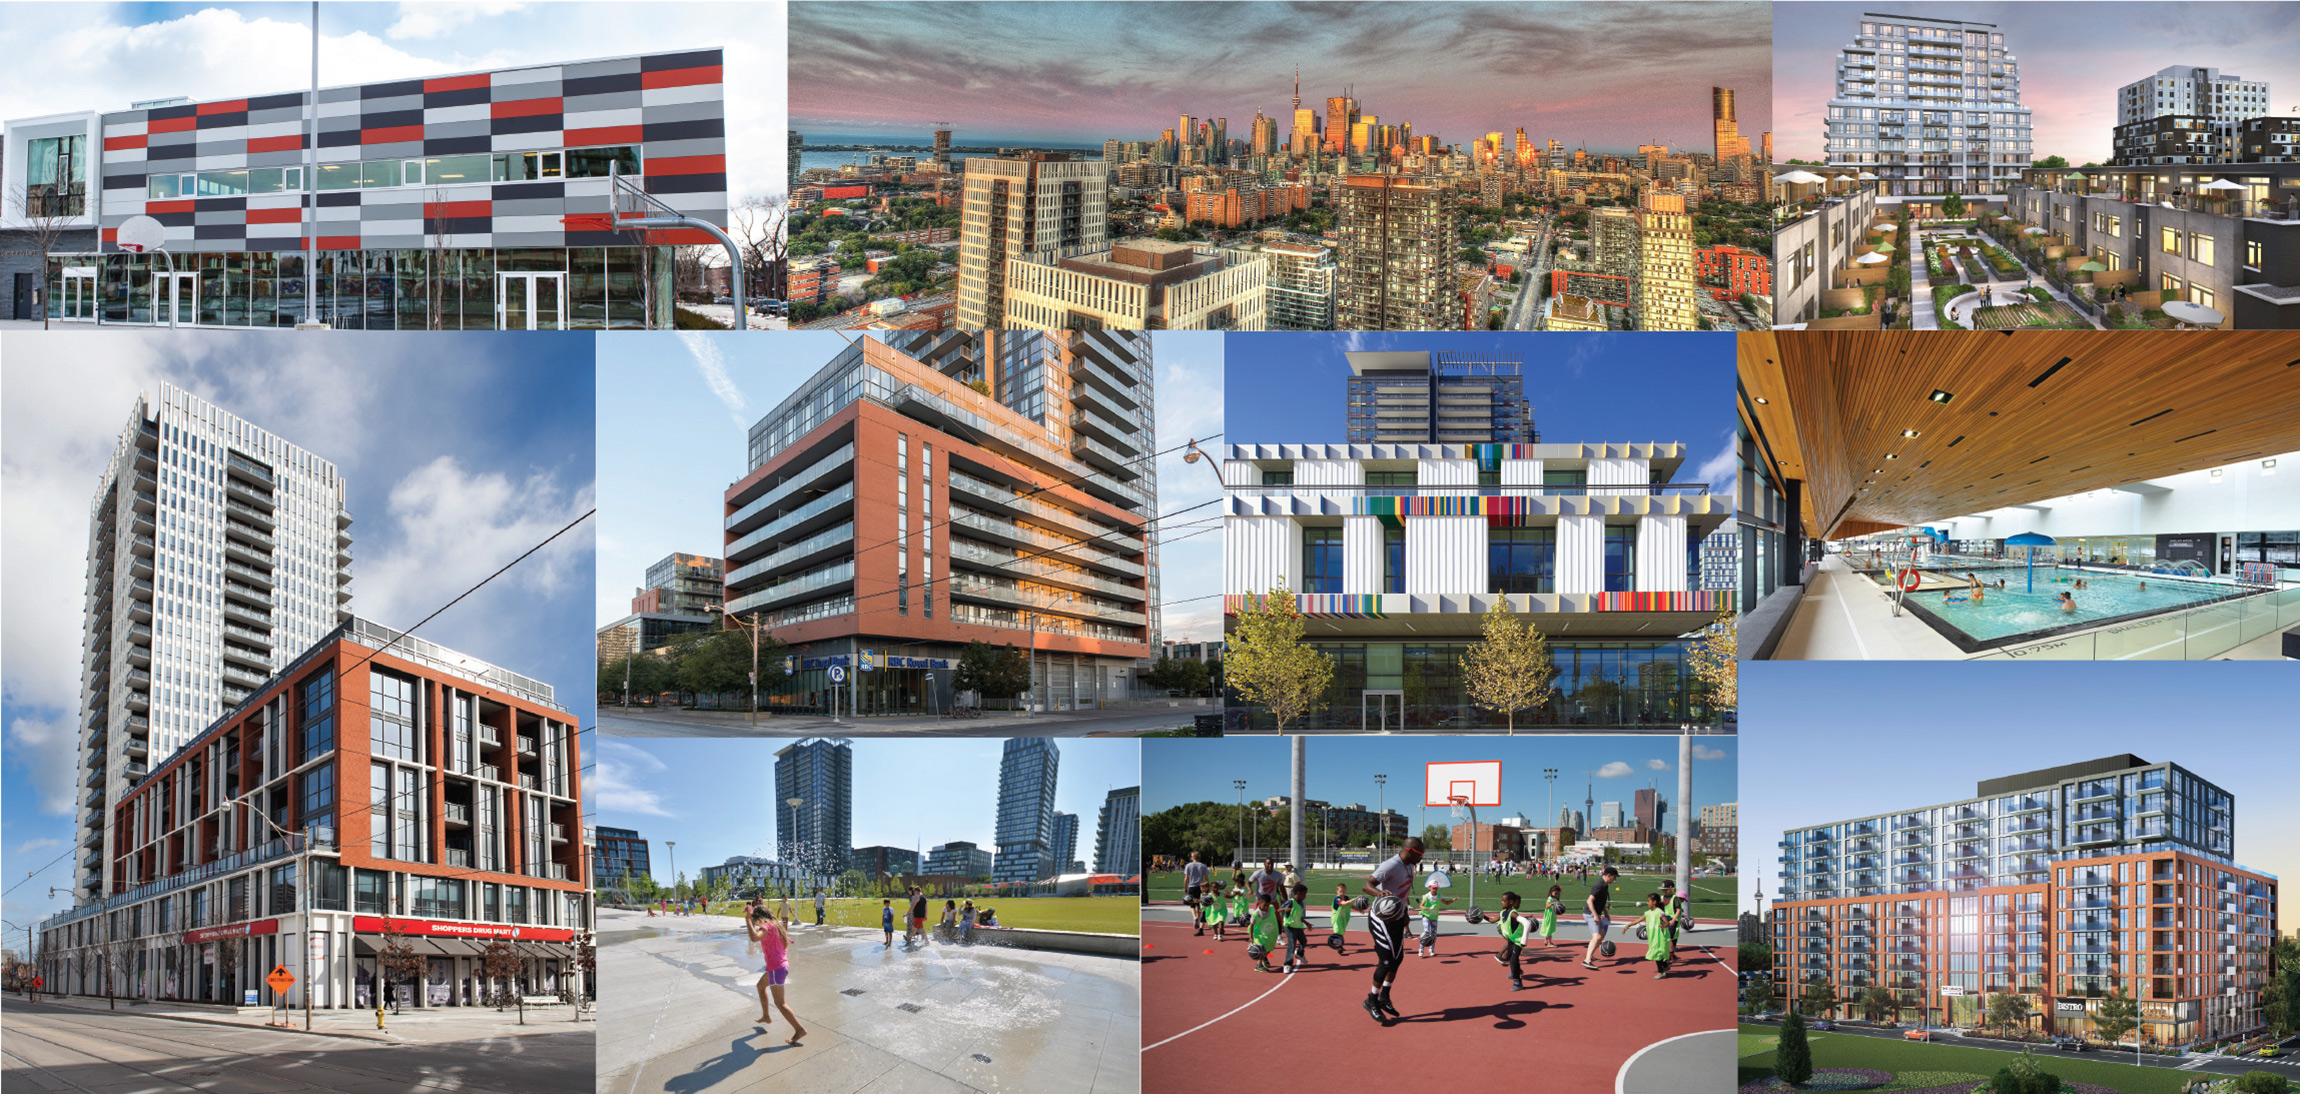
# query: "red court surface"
1205,1015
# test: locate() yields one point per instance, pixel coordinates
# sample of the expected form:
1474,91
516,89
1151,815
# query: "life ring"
1910,579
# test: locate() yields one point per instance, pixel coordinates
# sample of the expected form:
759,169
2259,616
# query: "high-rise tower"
1026,774
1929,106
1396,260
1026,205
816,833
1665,288
217,553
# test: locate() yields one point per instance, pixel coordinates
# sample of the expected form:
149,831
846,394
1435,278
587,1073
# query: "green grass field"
1713,897
1099,914
1917,1066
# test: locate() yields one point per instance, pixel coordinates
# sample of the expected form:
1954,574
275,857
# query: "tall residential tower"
814,804
1421,397
217,553
1026,831
1929,106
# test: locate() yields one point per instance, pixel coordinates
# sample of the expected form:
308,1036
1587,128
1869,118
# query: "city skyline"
703,793
442,491
2071,64
1641,74
1802,774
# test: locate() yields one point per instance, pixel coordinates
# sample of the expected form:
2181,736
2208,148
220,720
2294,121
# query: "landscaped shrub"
2261,1082
2041,295
1793,1059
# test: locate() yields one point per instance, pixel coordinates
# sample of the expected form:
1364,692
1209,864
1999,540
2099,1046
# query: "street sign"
280,979
838,675
1950,989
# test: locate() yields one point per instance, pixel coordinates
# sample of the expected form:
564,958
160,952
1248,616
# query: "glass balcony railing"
794,588
763,507
793,554
1008,532
749,545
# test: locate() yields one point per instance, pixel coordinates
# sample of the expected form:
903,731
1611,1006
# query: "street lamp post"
303,902
1549,777
671,851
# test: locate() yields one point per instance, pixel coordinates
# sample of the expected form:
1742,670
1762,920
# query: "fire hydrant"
379,1014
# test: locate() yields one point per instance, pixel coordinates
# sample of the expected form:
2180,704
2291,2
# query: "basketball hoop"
631,207
1461,807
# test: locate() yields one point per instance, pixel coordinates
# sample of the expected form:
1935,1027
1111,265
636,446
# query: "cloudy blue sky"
1586,388
66,57
2073,57
1832,741
460,451
714,796
1609,76
674,427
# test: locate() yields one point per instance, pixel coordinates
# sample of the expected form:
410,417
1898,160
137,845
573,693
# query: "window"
55,177
1393,560
1570,477
2170,241
283,893
2252,253
317,703
1278,478
1390,478
437,897
2170,285
391,717
372,891
1321,560
593,163
317,796
2200,294
1522,560
2200,247
1620,558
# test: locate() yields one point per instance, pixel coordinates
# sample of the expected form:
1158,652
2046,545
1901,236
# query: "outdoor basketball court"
1206,1011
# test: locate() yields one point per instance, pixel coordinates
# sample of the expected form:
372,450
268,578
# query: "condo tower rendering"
217,552
938,488
477,201
1929,107
2067,887
1395,550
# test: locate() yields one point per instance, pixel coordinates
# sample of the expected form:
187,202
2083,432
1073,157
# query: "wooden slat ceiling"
2123,407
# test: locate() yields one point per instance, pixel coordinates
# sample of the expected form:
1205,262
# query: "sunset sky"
1608,75
2073,57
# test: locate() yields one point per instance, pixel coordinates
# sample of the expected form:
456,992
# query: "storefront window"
371,891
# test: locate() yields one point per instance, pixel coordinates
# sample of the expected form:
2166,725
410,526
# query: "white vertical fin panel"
1258,553
1309,473
1361,554
1446,473
1445,555
1580,554
1661,554
1620,472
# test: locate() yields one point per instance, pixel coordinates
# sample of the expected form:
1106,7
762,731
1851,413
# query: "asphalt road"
2208,1063
648,723
55,1049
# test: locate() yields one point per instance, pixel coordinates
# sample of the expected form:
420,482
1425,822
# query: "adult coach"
1268,882
1388,888
1593,914
1193,889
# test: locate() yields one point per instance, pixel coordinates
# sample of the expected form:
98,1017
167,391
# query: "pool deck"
1844,616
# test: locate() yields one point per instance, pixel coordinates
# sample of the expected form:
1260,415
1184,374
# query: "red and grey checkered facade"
669,106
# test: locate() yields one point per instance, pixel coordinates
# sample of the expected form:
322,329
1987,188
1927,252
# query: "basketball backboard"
1477,780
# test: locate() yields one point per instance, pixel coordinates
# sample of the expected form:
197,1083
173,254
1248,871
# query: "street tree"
989,670
1268,662
397,963
1435,837
46,217
2280,1001
1875,1002
1510,669
2116,1016
1821,997
1760,994
2006,1011
1713,662
1793,1058
499,964
1953,206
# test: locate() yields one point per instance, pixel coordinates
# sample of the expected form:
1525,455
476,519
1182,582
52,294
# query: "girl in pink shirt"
774,945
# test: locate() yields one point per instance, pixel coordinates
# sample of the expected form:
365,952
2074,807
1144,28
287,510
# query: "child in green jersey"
1431,904
1341,917
1658,935
1218,913
1264,933
1293,918
1549,913
1514,930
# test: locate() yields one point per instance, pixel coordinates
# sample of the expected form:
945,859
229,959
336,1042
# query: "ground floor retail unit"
915,679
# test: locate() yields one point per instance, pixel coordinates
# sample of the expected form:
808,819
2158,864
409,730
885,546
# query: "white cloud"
613,785
49,748
713,365
1656,764
456,527
31,845
1704,752
1614,770
424,20
1718,469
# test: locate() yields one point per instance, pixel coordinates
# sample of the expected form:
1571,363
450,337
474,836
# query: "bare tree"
45,221
499,961
398,958
687,267
759,226
587,960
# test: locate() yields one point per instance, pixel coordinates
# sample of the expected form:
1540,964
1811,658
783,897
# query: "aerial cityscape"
2132,176
1324,199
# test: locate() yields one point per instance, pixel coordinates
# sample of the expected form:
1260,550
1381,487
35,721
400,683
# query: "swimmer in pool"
2067,602
2144,586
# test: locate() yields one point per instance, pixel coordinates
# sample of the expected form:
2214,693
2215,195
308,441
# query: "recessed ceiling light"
2268,463
1764,402
2216,472
1940,396
1890,456
1908,433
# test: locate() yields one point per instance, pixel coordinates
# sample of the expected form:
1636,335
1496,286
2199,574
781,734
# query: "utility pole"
310,200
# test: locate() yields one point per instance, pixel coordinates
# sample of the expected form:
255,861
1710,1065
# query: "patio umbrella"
2092,267
1888,227
1872,259
2032,231
2032,541
2221,184
1866,177
1798,178
1885,247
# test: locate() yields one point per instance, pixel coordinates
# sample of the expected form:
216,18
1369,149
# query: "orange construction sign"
280,979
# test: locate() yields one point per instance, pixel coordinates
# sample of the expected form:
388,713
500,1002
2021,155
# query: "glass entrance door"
177,295
530,301
1379,711
79,297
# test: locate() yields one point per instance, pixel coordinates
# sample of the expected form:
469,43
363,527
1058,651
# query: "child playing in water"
774,946
886,920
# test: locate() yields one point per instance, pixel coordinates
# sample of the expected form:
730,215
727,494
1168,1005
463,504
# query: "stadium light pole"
1239,855
1300,803
1685,812
1549,777
1381,818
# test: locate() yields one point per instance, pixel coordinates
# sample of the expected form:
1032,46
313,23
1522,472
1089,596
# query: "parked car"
2072,1044
1824,1024
1919,1034
722,300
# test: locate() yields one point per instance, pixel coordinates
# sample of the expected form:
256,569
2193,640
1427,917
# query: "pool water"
2009,611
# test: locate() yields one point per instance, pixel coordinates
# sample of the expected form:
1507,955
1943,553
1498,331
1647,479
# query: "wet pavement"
681,1017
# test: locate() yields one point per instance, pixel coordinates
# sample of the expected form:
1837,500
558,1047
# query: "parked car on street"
2071,1044
1919,1035
1823,1024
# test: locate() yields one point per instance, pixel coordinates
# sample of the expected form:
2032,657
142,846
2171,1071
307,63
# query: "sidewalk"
427,1026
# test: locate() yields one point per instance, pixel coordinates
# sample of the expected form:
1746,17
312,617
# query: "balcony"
238,466
1006,532
815,548
458,857
1006,592
527,746
490,772
992,495
458,815
558,833
490,737
262,579
261,518
249,635
139,655
796,586
1087,419
966,551
527,782
836,467
233,609
238,675
801,520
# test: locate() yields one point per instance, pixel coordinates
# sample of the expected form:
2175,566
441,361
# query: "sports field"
1938,1067
1713,897
1100,914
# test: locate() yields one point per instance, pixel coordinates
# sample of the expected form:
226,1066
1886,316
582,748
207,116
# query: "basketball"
1474,916
1360,904
1641,932
1389,907
1605,948
1335,940
1256,951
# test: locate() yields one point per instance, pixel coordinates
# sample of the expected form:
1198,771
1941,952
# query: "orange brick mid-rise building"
2063,887
377,785
1742,271
929,489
